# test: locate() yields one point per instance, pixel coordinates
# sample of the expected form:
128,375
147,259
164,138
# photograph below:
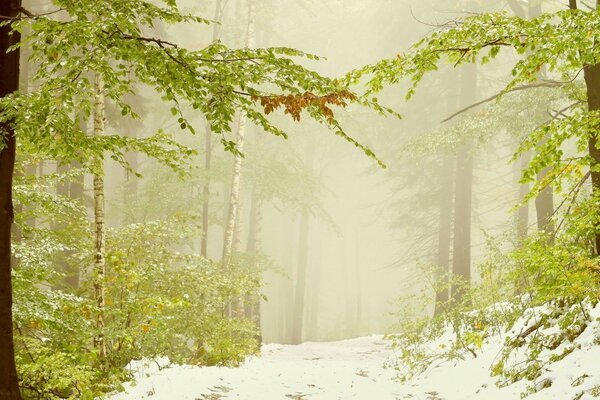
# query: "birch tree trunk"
100,245
234,197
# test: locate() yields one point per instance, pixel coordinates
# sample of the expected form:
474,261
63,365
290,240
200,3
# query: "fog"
372,231
289,198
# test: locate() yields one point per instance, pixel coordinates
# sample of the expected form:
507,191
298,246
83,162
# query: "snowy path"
350,369
353,369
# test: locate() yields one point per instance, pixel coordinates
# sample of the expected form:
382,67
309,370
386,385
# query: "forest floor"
354,369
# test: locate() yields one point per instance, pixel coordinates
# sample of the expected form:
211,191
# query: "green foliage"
166,303
217,81
53,329
537,297
562,41
162,301
457,333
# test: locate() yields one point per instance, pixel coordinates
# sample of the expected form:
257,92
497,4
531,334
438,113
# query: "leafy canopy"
110,38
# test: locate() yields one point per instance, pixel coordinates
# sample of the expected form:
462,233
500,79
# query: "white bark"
99,211
234,198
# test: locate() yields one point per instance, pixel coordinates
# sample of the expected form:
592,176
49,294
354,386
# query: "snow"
354,369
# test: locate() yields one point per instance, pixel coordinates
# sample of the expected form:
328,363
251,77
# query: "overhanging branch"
494,97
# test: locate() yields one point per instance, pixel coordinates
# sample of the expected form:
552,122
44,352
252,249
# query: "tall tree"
301,267
446,200
544,202
218,18
9,83
463,197
300,289
591,73
234,193
99,221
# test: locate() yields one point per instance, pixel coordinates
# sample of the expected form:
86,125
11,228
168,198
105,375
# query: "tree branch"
29,14
164,44
518,88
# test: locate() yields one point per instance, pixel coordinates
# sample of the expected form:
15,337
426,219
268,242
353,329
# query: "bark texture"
99,211
234,197
592,82
9,83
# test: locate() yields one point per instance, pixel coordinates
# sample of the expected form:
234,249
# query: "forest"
299,199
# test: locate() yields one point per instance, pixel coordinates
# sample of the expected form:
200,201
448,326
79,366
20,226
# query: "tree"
544,202
9,83
219,11
463,192
99,219
234,191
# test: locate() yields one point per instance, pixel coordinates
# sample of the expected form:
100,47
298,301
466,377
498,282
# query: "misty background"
364,234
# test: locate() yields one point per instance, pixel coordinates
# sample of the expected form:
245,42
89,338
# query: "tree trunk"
206,192
461,254
219,9
544,202
592,82
522,224
9,83
544,205
254,247
357,287
444,238
315,283
100,246
234,198
299,294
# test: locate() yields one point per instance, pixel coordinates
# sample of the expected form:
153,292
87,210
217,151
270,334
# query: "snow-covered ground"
353,369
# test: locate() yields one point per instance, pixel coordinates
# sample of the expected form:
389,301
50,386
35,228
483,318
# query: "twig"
519,88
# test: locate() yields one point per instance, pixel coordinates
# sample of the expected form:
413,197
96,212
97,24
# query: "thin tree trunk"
234,199
444,237
206,193
9,83
300,292
523,212
315,298
357,287
592,81
461,254
219,10
254,247
100,245
544,205
544,202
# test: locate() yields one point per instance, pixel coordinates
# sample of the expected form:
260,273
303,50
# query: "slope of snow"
353,369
